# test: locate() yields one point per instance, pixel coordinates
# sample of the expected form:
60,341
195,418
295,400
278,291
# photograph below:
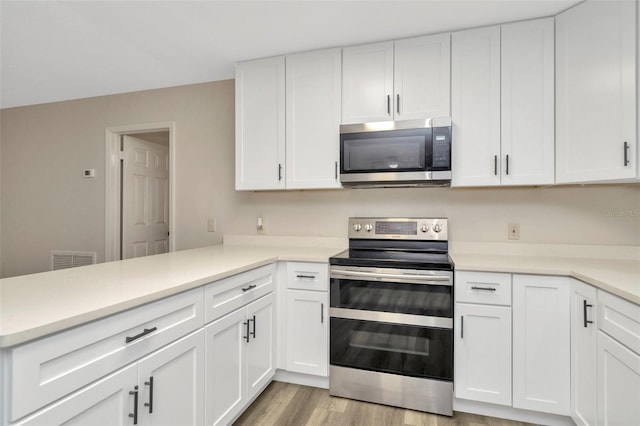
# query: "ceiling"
59,50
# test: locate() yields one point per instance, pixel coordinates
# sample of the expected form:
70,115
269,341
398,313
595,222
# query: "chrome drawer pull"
585,305
134,415
483,288
150,403
137,336
311,277
249,288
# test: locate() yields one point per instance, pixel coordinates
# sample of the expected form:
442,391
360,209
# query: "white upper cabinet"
502,105
527,98
401,80
422,77
313,87
260,124
475,107
367,83
596,92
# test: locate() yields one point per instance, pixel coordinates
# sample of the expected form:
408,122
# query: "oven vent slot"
63,259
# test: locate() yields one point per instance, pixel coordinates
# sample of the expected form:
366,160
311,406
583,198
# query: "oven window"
416,299
391,348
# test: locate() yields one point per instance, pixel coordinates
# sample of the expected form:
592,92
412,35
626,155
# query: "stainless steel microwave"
396,153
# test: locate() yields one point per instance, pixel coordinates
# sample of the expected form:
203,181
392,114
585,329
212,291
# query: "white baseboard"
302,379
504,412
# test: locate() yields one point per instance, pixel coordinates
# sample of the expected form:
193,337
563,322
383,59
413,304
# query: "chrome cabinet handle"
398,104
585,305
336,169
388,104
253,333
322,313
495,165
507,164
246,323
249,288
279,172
139,335
150,403
311,277
626,154
483,288
134,415
462,326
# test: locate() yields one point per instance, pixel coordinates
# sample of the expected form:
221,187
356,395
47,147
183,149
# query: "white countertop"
35,305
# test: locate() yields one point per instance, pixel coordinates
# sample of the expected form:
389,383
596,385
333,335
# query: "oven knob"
437,227
424,228
368,227
357,227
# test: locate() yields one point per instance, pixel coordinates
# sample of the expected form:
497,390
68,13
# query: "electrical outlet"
514,231
211,225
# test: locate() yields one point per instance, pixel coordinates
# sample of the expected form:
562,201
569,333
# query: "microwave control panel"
441,150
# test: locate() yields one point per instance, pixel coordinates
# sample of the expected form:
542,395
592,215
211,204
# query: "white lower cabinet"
483,353
307,332
618,383
171,384
106,402
583,354
618,354
126,397
541,343
240,359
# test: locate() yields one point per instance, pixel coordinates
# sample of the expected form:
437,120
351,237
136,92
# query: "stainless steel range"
391,314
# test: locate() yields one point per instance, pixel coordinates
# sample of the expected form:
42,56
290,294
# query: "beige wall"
47,205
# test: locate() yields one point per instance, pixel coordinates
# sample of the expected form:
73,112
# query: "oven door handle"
404,278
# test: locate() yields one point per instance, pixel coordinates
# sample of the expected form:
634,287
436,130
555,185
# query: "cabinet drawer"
224,296
620,319
308,276
50,368
489,288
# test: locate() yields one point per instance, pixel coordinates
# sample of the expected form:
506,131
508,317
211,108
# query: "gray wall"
46,204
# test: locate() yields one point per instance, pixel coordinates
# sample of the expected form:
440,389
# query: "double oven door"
394,321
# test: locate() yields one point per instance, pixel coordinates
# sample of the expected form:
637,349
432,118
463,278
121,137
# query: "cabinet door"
527,101
483,353
171,383
225,368
260,124
595,99
618,383
307,332
261,345
422,77
541,343
367,83
313,119
475,107
583,353
107,402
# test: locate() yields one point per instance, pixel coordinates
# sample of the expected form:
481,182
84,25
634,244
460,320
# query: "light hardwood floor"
285,404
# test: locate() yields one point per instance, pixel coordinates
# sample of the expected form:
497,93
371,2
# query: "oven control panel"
398,228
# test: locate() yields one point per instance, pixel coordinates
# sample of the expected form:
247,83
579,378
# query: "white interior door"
145,198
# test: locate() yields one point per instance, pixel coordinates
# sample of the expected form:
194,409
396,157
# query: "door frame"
112,183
